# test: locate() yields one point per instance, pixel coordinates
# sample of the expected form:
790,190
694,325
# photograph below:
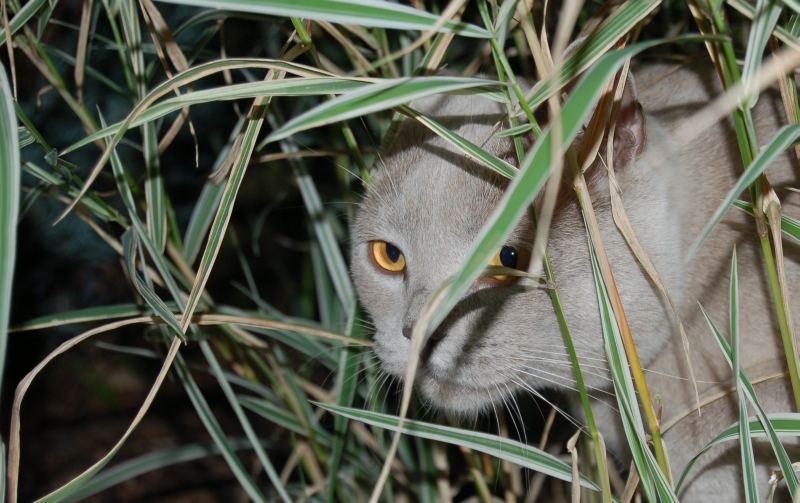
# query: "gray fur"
431,202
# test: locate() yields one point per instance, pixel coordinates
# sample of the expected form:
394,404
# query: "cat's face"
429,204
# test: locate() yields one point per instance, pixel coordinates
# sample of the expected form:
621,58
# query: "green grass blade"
90,314
372,13
503,448
780,452
745,444
652,478
472,151
30,9
217,434
150,462
616,26
782,140
767,14
789,226
381,95
285,87
263,458
532,174
9,207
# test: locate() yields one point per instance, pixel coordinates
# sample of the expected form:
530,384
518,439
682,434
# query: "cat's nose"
407,332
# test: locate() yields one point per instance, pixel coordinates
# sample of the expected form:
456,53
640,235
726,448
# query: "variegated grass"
406,45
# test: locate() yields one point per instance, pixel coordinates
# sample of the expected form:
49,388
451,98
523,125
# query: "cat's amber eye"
387,256
507,256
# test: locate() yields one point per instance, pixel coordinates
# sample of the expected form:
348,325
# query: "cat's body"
431,203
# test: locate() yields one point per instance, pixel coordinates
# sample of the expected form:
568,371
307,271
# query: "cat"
426,204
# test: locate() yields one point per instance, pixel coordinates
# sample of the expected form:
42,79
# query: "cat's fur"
431,202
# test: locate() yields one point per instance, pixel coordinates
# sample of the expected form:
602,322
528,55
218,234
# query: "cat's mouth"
459,397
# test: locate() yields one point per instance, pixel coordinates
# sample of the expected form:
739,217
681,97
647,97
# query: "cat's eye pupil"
392,252
509,257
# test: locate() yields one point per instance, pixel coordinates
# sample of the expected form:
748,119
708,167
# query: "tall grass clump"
165,136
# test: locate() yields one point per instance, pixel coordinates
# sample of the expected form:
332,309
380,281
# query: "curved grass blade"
150,462
263,458
25,14
371,13
9,207
745,444
86,315
381,95
473,151
780,452
782,140
308,86
533,172
789,226
499,447
767,14
784,424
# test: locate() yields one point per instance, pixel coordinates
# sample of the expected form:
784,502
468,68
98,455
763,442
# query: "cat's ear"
630,133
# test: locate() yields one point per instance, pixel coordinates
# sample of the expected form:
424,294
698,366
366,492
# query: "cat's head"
423,209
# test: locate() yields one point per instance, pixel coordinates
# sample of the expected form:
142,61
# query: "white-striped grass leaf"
792,4
782,140
183,78
767,14
789,226
90,314
781,33
499,447
203,212
532,174
652,479
9,206
501,23
617,25
76,483
472,150
217,434
30,9
337,268
307,86
130,244
224,211
227,390
147,463
784,424
745,444
380,95
513,131
201,218
96,205
780,452
346,381
371,13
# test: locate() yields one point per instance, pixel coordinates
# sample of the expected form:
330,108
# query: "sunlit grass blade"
382,95
749,10
745,444
593,47
503,448
767,14
652,478
780,452
372,13
308,86
25,14
784,424
532,174
473,151
10,176
789,226
782,140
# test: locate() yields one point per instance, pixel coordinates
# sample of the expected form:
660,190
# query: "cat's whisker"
564,353
561,362
541,397
536,372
